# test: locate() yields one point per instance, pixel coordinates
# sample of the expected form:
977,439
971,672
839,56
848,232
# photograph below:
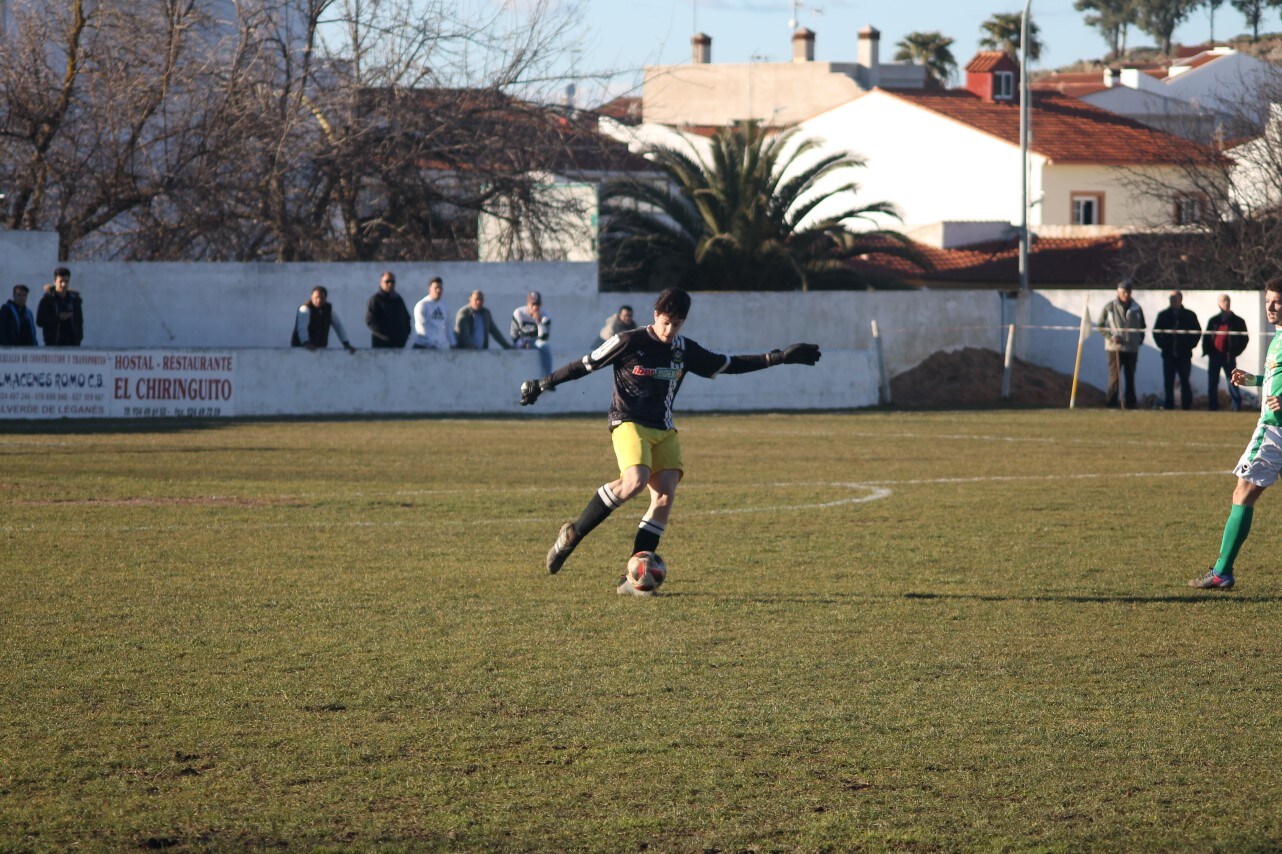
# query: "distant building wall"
775,93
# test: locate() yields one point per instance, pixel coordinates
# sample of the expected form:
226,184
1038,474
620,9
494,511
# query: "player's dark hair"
1274,285
324,291
21,289
61,273
673,302
624,308
436,280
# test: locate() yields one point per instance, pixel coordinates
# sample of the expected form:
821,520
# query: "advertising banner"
70,383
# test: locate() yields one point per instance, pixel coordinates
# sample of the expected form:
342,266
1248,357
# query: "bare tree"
283,129
1224,204
97,117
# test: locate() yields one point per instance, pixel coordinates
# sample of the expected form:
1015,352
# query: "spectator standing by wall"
1176,333
473,325
60,314
314,320
432,328
620,321
531,327
386,316
17,323
1122,325
1224,341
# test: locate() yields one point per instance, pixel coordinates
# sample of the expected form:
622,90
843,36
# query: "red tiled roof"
1073,83
1198,60
1065,130
625,108
1053,262
990,60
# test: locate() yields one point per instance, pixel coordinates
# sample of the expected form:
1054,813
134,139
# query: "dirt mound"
973,377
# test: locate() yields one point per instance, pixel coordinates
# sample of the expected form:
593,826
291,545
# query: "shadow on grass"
1190,598
125,426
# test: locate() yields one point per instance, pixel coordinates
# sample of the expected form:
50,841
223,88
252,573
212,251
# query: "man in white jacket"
432,326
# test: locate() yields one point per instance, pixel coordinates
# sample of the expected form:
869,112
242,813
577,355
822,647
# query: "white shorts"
1262,460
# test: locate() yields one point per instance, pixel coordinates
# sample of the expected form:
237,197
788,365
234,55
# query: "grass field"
919,631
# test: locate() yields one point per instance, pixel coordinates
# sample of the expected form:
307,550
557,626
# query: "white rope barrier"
1073,328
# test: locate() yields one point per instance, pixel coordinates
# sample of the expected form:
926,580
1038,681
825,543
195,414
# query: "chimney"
803,45
1112,77
701,48
870,55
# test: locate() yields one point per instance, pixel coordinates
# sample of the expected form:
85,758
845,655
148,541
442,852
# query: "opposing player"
649,366
1262,460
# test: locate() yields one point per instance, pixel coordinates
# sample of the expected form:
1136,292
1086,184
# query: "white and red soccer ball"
646,571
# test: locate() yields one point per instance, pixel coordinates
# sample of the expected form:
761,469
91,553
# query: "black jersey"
648,374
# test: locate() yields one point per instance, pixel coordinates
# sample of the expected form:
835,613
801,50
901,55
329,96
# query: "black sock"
598,510
648,534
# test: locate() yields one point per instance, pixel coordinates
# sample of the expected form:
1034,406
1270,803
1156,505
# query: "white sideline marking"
875,491
980,437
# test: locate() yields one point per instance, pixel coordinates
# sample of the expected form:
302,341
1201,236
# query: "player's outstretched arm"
794,354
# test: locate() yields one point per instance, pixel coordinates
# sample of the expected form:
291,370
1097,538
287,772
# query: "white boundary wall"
1057,349
81,383
249,309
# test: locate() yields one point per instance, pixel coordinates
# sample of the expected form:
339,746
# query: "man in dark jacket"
386,316
1224,341
314,320
17,324
1176,334
59,314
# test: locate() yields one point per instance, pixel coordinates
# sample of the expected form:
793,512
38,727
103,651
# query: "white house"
953,155
1201,96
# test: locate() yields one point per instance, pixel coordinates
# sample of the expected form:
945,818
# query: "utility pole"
1023,149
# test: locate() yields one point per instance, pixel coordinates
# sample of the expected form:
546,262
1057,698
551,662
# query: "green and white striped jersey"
1272,383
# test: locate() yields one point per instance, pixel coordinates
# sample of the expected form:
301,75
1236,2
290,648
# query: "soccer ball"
646,571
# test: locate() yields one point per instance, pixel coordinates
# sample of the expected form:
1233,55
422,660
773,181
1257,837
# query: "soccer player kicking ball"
649,365
1262,460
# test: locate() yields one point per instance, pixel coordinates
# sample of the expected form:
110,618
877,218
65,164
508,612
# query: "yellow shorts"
657,450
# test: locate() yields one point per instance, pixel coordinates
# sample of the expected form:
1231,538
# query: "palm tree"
931,50
1002,32
744,219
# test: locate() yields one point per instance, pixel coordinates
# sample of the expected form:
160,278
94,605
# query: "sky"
625,35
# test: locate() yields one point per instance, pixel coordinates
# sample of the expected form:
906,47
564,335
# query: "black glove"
796,354
531,389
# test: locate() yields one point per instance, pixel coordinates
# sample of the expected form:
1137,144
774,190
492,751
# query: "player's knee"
632,482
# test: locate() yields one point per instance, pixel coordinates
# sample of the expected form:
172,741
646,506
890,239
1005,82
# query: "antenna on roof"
797,6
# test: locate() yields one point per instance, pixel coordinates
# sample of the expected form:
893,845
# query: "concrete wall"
249,309
182,305
80,383
1057,348
423,382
